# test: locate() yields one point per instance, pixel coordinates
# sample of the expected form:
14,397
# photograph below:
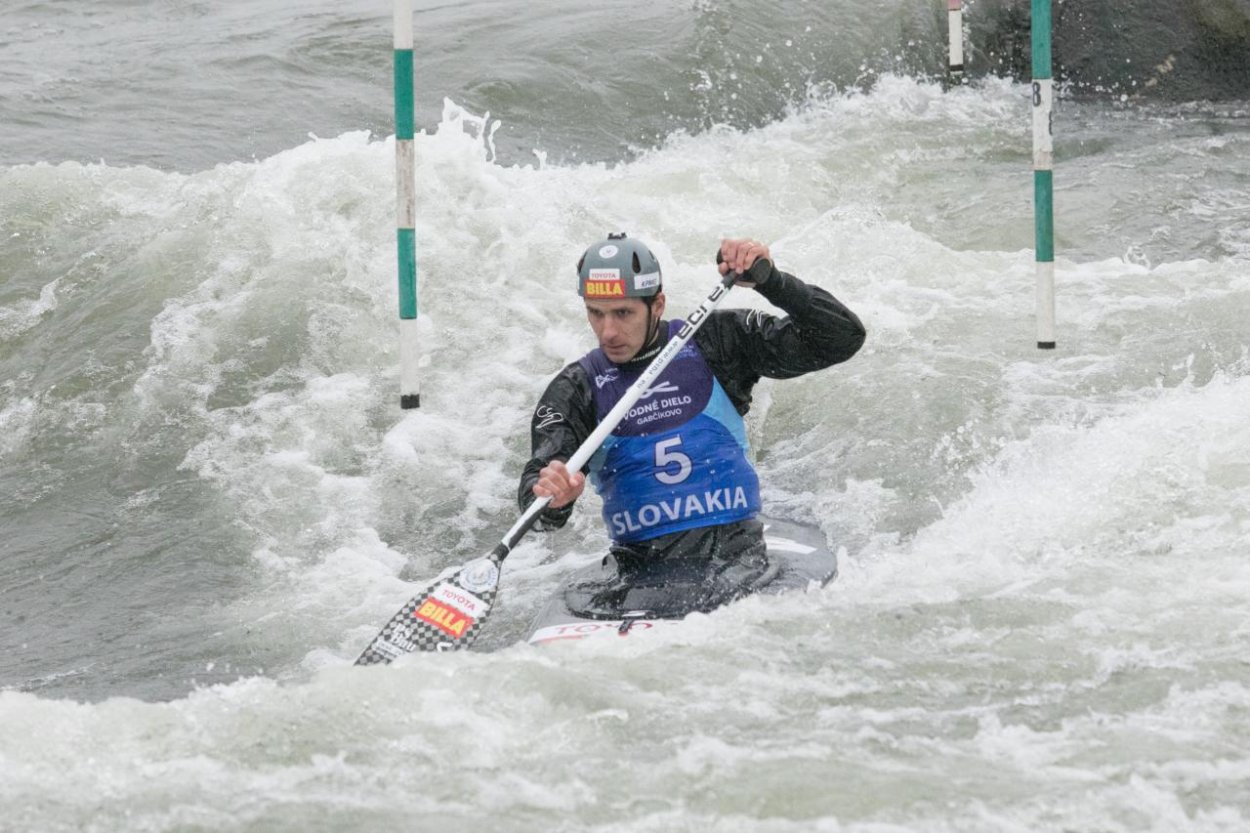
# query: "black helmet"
618,268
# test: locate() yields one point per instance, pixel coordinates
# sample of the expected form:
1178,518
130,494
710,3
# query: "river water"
210,500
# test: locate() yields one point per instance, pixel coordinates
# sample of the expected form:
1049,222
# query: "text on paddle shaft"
697,316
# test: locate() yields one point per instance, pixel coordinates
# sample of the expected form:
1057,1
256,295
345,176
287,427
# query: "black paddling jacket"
740,346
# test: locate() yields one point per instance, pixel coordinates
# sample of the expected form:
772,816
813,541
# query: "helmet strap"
651,342
653,323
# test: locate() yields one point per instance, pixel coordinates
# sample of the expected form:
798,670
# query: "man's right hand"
563,487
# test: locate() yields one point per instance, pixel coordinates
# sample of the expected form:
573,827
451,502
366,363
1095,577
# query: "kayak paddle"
449,614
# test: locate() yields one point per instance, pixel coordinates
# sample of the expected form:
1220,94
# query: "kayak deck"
597,601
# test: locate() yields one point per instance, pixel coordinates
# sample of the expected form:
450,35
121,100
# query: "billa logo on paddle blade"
447,620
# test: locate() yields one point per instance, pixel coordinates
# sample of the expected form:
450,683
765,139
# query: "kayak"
599,600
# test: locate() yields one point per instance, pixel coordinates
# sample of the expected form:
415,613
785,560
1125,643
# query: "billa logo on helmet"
605,283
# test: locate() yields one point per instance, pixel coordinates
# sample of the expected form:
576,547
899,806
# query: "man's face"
621,325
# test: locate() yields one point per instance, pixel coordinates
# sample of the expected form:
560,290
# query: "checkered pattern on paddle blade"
445,617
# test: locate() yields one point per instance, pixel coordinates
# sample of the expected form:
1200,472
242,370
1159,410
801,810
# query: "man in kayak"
675,476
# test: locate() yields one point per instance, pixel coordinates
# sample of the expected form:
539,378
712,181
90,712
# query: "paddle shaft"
640,386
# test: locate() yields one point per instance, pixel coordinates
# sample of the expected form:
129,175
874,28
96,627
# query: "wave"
200,369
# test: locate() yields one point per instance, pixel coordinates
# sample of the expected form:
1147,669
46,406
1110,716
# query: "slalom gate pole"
1043,174
406,209
955,21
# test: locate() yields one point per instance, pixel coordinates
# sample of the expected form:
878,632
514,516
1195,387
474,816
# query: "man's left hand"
557,482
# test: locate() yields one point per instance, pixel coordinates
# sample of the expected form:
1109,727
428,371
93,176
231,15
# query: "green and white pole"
1043,175
406,213
955,23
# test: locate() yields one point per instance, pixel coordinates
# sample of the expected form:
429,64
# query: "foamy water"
213,500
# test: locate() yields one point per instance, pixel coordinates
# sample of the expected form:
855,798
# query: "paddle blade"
445,617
